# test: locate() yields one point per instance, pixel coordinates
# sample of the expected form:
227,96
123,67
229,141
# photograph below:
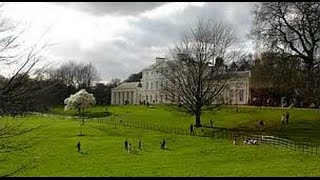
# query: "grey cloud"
112,60
139,47
101,8
159,32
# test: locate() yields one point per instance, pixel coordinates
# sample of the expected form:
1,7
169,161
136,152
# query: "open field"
103,153
304,124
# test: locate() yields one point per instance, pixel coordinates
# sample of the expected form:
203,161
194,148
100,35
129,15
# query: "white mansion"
149,89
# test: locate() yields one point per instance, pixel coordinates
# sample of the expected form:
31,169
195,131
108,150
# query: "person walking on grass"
261,124
126,144
78,146
162,144
287,117
129,147
283,119
191,129
140,144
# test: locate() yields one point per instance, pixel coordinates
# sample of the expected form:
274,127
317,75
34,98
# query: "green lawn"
304,124
103,153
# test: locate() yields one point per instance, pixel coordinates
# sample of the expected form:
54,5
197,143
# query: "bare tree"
194,79
85,75
65,73
114,82
16,65
75,74
291,27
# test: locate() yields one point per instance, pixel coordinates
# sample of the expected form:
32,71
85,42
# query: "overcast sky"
119,38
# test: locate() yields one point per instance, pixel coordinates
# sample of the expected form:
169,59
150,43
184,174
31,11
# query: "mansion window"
231,93
151,85
147,86
157,87
241,94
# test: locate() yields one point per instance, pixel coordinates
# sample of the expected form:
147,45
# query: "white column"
118,98
112,97
121,97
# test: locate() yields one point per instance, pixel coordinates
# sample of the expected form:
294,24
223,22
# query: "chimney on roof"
159,60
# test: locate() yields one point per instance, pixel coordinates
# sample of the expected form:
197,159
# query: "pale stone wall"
129,92
236,91
151,84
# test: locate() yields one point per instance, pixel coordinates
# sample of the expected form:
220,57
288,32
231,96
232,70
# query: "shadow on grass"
168,149
145,150
135,152
97,114
302,131
87,135
88,114
307,131
84,153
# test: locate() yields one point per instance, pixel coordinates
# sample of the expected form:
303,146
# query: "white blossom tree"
80,101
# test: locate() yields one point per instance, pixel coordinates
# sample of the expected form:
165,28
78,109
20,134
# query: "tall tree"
114,82
100,92
193,78
74,74
292,27
278,73
245,63
16,64
85,75
134,77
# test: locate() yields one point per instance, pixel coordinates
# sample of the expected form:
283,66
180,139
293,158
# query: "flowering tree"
80,101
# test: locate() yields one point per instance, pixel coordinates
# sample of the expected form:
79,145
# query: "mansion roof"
129,85
155,65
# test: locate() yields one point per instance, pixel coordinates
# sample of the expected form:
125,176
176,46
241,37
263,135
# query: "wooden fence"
143,125
218,132
209,131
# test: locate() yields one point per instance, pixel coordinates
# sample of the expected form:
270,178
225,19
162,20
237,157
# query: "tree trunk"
198,116
310,81
198,124
80,130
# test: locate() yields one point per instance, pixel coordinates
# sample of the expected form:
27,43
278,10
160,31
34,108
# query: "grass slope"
103,154
304,124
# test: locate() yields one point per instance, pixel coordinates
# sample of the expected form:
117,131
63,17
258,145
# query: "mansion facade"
148,90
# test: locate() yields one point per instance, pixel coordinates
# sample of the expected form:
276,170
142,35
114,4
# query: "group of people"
127,145
249,141
285,118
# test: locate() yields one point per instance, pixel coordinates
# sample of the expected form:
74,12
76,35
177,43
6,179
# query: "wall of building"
236,91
